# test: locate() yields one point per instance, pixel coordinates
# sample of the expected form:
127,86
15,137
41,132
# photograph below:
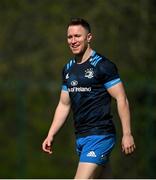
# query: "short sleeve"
108,73
64,80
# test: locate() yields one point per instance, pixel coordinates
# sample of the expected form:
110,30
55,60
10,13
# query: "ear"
89,37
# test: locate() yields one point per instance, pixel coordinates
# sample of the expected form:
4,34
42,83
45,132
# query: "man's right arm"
59,119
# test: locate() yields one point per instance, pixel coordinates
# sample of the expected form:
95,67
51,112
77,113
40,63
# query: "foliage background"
33,51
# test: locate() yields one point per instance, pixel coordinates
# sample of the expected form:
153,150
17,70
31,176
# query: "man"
89,82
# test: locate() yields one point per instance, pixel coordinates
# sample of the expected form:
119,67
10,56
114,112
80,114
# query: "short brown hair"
80,21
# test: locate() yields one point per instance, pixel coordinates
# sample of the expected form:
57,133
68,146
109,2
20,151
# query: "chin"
76,52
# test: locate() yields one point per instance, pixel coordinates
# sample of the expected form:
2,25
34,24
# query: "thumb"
49,143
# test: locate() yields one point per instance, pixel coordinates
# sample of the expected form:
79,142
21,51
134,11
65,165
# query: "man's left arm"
117,91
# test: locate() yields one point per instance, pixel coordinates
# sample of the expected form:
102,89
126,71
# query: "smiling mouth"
74,47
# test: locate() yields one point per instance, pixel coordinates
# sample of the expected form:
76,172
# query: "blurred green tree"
33,51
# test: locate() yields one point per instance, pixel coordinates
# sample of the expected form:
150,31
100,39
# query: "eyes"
74,36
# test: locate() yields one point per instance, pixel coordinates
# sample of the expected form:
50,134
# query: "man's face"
78,38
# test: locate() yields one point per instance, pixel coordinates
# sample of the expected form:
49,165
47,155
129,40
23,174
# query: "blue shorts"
95,148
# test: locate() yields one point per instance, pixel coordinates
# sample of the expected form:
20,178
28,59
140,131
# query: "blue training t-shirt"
87,85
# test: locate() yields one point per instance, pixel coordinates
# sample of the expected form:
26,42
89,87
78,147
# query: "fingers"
46,146
128,145
129,149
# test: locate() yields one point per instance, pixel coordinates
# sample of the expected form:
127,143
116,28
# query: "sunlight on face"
78,38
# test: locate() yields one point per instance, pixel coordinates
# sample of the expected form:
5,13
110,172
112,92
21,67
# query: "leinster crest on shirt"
89,73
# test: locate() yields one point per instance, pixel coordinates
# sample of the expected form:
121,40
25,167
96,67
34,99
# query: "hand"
128,145
46,145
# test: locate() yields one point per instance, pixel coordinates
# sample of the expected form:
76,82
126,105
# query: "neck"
81,58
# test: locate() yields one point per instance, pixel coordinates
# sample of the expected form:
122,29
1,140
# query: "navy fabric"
87,85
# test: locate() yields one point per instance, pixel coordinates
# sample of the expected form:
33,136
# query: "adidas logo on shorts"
91,154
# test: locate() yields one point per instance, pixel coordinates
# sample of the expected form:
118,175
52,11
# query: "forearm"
59,119
124,114
118,93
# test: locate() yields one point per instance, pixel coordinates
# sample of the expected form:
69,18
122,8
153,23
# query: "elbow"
122,100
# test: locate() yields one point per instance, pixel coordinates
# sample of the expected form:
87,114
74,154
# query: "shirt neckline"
92,54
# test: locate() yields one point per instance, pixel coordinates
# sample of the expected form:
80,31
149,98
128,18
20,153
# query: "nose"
73,40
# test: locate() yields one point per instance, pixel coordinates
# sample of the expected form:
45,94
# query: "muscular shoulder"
67,67
69,64
102,64
105,68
